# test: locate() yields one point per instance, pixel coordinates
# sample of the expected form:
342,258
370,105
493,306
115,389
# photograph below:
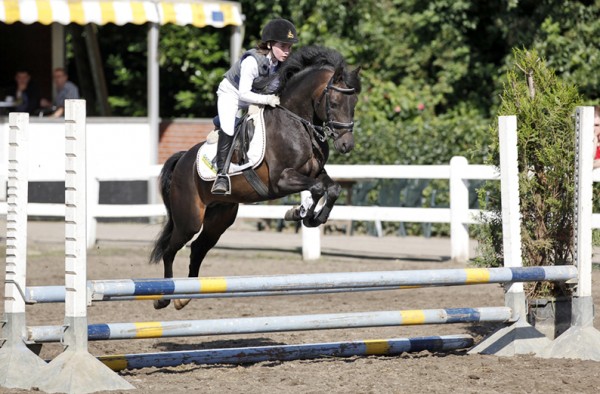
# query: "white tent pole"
153,105
235,43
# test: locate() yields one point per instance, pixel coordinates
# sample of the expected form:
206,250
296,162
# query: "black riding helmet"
280,30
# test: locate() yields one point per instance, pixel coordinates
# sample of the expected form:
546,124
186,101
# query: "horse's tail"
162,242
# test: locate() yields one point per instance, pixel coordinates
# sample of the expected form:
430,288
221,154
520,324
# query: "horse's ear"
338,75
353,79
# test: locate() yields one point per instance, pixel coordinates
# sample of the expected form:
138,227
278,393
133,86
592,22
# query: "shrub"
544,106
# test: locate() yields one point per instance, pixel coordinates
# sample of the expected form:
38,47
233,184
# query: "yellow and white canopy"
198,13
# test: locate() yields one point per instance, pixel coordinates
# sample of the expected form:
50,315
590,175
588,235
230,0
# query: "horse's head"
335,108
317,86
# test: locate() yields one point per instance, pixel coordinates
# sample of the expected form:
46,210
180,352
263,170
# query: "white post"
511,215
520,337
581,340
76,370
235,43
311,237
75,220
15,357
153,106
16,218
583,312
459,209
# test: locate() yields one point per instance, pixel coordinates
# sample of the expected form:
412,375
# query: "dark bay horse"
318,95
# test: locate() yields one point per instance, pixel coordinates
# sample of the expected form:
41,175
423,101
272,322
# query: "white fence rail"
459,172
458,215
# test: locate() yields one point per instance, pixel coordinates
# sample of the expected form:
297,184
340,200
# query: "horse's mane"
313,57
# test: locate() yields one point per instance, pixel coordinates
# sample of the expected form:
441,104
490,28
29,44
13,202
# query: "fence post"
511,215
521,337
311,237
459,210
581,340
76,370
18,365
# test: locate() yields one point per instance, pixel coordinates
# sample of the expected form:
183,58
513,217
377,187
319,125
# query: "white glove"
272,100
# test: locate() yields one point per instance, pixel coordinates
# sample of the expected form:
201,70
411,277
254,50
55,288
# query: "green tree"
433,71
544,105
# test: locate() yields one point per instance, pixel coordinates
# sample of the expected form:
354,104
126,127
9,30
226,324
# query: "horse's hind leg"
177,241
217,219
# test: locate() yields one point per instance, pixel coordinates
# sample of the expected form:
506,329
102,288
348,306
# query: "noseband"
330,126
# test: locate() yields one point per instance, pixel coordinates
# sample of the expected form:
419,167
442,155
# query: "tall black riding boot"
221,185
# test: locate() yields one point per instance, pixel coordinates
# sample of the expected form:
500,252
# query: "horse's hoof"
293,215
323,215
311,222
160,304
180,304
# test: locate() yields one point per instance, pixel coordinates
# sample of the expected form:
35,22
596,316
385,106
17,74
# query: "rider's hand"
273,100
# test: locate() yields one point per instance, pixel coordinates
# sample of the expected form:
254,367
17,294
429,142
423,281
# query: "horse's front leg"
332,192
291,181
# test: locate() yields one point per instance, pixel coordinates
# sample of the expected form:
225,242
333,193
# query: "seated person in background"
65,90
25,93
597,136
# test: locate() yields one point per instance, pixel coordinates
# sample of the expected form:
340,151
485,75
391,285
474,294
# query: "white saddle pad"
256,151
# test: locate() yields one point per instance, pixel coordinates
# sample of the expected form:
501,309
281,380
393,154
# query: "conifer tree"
544,106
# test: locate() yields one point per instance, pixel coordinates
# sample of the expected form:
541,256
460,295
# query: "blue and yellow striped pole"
388,347
253,325
143,289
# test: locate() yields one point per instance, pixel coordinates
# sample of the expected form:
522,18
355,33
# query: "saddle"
247,150
242,135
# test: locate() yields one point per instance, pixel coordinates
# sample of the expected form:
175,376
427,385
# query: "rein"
317,130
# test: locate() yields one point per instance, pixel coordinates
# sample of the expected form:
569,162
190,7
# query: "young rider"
252,80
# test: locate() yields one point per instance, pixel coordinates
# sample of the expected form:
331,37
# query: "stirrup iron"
224,185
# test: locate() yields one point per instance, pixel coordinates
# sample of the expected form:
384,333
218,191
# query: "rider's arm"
248,72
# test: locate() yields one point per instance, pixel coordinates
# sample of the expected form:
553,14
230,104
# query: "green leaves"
433,71
544,105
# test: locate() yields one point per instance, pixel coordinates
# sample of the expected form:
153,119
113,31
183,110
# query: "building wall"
115,145
181,134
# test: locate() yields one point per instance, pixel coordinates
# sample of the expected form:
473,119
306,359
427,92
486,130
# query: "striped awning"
198,13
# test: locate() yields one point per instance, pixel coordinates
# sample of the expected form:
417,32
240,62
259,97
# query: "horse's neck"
301,108
299,97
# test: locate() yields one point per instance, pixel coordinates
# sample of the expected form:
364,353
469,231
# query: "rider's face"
281,50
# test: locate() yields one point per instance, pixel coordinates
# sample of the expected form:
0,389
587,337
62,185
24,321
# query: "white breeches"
228,103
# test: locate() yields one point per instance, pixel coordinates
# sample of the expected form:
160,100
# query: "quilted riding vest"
265,83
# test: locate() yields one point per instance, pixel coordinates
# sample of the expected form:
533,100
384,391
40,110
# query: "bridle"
330,126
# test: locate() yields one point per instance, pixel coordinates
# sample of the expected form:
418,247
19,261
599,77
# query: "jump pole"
76,370
245,355
299,284
581,340
15,357
520,337
255,325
